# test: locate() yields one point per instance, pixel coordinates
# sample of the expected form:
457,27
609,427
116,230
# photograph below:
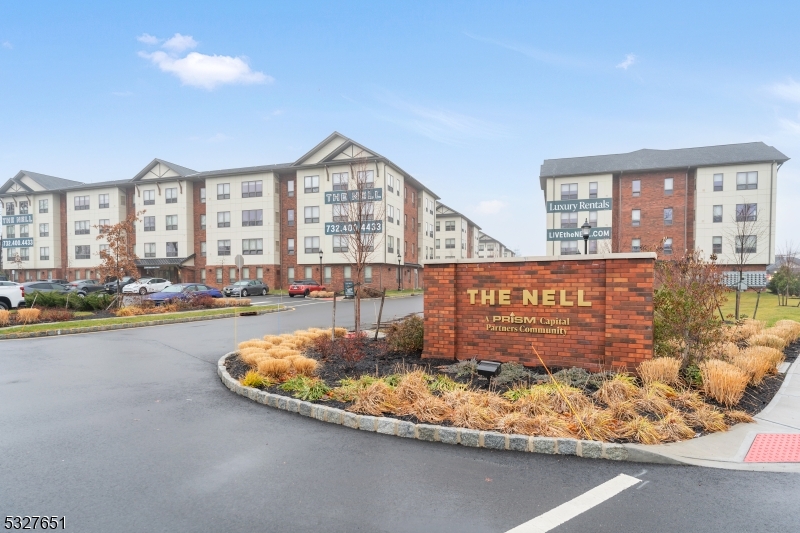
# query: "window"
203,275
24,254
438,247
253,217
368,274
149,197
480,247
668,182
11,253
245,273
327,277
405,192
81,203
172,195
667,246
636,187
636,216
82,252
390,244
103,248
716,245
24,231
717,182
348,272
593,219
260,270
405,246
449,243
569,248
290,246
390,183
449,225
744,213
312,214
203,249
309,272
172,249
667,216
11,232
717,213
569,220
224,219
149,223
592,189
340,180
44,253
224,247
149,249
232,274
172,222
593,246
223,191
202,222
405,221
389,213
103,224
746,180
252,246
290,217
636,245
340,244
44,230
339,213
413,198
219,275
569,191
44,206
311,245
10,208
290,188
746,244
290,274
251,189
203,199
311,184
82,227
23,208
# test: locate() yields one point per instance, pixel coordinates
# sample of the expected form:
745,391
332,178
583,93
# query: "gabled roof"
482,237
47,182
647,159
443,210
181,171
240,170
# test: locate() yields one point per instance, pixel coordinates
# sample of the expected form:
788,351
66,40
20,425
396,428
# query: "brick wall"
287,231
616,331
198,209
410,233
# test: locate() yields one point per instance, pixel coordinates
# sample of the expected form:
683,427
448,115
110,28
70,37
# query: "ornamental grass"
767,339
28,316
755,363
708,418
619,388
640,429
673,427
723,381
5,317
661,369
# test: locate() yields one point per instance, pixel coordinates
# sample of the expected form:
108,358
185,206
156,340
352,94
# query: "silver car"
246,288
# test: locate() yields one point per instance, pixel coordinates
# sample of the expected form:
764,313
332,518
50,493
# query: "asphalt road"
132,430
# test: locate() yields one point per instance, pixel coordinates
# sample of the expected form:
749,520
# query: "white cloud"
146,38
179,43
200,70
7,44
630,59
788,91
491,207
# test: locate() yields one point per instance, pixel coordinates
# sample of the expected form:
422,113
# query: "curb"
444,434
92,329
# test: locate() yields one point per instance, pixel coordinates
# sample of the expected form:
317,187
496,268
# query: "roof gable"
160,169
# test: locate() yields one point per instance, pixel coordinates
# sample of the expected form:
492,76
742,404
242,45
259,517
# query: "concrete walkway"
728,449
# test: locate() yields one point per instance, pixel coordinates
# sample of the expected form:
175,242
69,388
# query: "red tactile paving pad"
774,448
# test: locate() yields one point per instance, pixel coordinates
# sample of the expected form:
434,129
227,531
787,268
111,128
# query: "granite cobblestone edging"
444,434
109,327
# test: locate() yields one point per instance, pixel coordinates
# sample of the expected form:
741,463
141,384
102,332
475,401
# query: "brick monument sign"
593,312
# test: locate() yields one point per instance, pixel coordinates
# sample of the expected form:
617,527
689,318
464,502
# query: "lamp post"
321,275
399,272
585,229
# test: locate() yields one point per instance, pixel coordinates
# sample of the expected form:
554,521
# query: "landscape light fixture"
399,272
585,229
488,369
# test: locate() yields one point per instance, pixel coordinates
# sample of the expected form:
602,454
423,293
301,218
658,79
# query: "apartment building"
286,220
456,236
489,247
673,200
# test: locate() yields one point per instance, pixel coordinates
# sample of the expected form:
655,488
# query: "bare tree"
743,238
357,222
787,272
119,259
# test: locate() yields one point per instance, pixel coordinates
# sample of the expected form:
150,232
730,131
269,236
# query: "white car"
146,286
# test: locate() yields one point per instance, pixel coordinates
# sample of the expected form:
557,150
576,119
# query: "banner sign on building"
17,219
17,243
573,206
349,228
577,235
346,197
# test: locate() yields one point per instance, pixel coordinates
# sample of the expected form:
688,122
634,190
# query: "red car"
303,287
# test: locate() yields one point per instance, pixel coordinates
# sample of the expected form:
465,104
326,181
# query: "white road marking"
569,510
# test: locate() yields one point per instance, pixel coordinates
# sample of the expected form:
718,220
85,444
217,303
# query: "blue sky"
468,97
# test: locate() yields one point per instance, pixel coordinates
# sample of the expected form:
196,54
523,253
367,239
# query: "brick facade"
616,331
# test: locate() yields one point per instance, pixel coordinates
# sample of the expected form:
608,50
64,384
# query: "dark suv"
111,286
85,286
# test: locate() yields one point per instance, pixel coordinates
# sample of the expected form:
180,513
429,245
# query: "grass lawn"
128,319
403,292
768,309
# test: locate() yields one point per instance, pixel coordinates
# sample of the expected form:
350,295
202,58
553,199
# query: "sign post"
349,289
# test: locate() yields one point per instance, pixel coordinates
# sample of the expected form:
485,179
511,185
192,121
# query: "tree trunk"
756,309
737,303
333,325
380,313
357,310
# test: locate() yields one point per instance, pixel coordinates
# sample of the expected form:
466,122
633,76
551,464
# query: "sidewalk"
728,449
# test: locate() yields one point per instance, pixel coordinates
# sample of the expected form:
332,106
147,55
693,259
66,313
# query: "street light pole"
399,272
585,230
321,276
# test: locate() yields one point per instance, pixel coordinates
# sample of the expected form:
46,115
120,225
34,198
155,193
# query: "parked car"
184,291
59,281
44,286
304,287
111,286
146,285
12,295
84,286
246,288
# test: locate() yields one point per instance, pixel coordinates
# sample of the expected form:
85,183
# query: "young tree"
360,223
786,278
743,237
119,259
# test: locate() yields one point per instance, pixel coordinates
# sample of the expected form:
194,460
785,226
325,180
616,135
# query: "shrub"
766,339
353,349
511,373
468,367
306,388
57,315
203,302
131,310
28,316
369,292
406,336
375,399
618,389
5,317
232,302
662,369
723,381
